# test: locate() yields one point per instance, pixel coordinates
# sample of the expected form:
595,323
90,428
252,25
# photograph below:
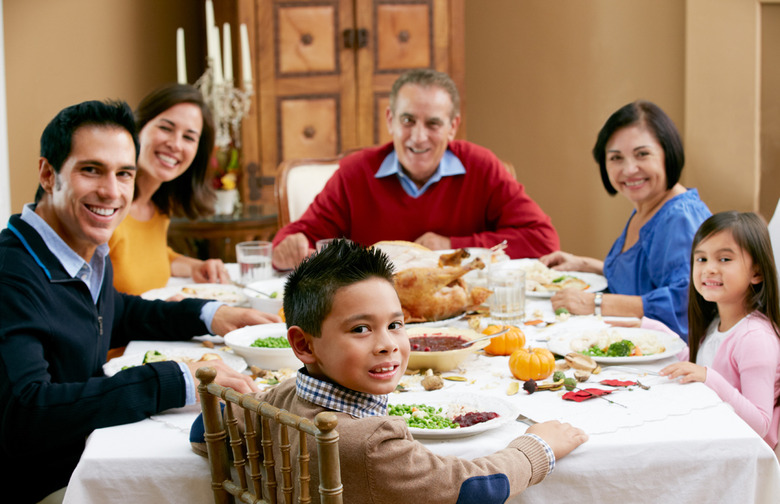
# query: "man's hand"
291,251
226,376
210,271
561,437
434,241
229,318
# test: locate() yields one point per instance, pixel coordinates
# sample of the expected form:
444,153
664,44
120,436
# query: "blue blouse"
658,266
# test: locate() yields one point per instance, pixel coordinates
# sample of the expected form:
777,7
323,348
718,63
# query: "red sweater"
478,209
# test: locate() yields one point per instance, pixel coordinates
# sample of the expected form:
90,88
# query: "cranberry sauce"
436,343
474,417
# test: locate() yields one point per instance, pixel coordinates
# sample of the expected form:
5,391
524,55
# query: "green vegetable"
561,310
421,416
558,376
274,295
154,356
594,351
273,342
620,349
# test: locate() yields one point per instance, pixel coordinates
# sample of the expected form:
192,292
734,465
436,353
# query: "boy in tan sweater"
345,324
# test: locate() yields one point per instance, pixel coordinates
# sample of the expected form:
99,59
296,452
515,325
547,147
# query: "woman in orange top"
176,134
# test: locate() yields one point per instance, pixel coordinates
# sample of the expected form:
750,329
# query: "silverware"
254,290
525,419
618,367
601,397
499,333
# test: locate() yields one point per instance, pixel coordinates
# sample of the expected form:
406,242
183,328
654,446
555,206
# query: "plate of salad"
446,416
618,345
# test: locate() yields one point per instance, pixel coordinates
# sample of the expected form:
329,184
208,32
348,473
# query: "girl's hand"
688,372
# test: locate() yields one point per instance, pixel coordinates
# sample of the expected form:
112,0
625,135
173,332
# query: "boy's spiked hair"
311,287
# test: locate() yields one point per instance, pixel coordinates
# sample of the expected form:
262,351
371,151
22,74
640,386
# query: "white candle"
217,57
227,52
246,65
181,61
209,33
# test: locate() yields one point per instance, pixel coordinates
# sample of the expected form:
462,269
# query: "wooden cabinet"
323,70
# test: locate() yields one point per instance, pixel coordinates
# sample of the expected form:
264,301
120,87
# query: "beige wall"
541,78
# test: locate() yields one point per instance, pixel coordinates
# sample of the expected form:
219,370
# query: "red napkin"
584,395
618,383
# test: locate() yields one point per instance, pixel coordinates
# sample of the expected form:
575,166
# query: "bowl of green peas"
264,346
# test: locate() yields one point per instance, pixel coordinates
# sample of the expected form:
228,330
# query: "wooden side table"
216,237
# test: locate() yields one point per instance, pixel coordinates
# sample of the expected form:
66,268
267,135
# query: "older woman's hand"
576,301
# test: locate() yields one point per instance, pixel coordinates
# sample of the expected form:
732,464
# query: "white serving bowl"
262,302
241,340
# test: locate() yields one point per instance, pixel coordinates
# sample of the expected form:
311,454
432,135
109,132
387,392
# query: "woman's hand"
210,271
576,301
564,261
688,372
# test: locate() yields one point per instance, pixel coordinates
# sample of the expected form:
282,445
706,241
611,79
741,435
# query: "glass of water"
254,261
507,302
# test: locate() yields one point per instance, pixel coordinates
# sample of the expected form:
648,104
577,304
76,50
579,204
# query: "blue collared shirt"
448,166
337,398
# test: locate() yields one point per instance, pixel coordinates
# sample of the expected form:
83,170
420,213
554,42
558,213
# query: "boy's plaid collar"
337,398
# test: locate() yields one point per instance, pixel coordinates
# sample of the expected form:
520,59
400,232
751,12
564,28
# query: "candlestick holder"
229,106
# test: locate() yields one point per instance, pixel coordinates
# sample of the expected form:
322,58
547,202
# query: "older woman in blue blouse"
640,155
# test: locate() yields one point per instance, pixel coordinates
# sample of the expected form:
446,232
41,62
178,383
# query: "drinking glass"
254,261
507,302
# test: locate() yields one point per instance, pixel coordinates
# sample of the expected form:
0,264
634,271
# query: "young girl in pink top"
734,319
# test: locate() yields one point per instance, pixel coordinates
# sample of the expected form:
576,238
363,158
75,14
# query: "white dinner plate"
445,399
561,344
116,364
596,282
435,323
227,293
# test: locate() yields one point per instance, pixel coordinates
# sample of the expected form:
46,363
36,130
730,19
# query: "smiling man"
60,312
424,186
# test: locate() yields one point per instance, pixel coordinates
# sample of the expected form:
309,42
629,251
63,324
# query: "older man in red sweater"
424,187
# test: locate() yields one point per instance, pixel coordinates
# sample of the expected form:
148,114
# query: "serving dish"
444,360
183,354
263,302
537,273
561,344
226,293
240,342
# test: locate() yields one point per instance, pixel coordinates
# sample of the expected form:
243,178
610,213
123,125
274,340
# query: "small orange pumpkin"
507,342
533,364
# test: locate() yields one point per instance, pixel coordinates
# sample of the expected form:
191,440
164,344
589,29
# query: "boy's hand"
562,437
228,318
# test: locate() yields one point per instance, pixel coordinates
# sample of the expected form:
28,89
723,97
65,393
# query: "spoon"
499,333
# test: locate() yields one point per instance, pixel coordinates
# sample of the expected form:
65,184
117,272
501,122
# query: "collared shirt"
91,273
337,398
449,166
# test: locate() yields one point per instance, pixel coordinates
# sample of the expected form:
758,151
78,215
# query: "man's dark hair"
311,287
57,137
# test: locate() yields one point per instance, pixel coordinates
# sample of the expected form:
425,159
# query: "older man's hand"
228,318
291,251
434,241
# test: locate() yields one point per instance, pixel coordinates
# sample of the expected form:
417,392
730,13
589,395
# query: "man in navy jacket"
60,314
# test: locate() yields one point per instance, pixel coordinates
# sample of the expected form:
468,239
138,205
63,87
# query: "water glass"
254,261
321,244
507,302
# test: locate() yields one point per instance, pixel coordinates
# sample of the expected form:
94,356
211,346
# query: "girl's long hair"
188,194
751,235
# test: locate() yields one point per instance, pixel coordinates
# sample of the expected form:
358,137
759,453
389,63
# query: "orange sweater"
141,255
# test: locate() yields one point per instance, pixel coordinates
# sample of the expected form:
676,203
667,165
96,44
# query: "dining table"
662,441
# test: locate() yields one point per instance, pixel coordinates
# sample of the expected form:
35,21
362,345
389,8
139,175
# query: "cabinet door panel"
309,127
307,40
403,36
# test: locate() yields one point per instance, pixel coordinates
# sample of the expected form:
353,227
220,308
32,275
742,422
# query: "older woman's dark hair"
188,194
650,115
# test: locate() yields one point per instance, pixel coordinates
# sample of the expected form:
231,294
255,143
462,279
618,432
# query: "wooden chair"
255,479
298,181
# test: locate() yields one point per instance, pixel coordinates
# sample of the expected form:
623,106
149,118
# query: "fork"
525,419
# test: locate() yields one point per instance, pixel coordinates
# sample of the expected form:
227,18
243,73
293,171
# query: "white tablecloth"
671,443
